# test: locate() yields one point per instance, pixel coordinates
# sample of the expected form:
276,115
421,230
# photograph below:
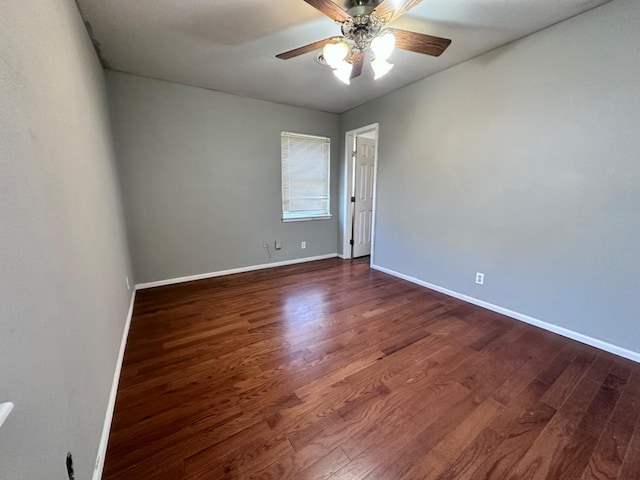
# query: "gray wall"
523,164
63,260
201,178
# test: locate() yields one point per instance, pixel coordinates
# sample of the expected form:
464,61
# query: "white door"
363,189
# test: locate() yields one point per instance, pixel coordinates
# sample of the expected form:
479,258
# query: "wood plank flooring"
332,370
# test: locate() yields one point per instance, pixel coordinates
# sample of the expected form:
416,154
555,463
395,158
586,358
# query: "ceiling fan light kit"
363,30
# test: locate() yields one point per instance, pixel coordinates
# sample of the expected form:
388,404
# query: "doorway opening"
361,168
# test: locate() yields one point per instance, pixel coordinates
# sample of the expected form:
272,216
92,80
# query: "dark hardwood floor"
333,370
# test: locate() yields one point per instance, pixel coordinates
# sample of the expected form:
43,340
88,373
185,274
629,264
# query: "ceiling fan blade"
420,43
306,49
389,10
357,61
330,9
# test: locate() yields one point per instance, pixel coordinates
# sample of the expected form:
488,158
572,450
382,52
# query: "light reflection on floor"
303,309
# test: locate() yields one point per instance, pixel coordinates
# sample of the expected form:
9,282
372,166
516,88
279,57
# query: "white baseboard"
220,273
102,448
594,342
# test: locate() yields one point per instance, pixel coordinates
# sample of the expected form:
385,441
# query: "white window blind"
305,176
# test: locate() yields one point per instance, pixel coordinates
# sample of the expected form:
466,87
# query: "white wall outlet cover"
480,278
303,245
5,410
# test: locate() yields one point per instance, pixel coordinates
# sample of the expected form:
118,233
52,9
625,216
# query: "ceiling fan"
364,29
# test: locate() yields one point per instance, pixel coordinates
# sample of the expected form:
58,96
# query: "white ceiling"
230,45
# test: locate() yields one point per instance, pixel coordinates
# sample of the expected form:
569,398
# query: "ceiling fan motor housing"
367,5
360,10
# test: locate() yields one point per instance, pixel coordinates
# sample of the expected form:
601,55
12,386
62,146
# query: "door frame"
347,210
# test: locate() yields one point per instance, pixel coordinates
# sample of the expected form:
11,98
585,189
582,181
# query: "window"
305,177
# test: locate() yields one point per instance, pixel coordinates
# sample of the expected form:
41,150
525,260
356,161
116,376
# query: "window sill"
306,219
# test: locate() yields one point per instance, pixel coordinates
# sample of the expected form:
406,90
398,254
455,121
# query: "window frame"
292,217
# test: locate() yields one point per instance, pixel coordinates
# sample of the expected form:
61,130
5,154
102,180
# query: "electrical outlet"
303,245
278,245
126,279
480,278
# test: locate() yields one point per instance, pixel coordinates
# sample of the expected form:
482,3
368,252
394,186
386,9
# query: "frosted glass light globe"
334,53
380,68
383,45
343,72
